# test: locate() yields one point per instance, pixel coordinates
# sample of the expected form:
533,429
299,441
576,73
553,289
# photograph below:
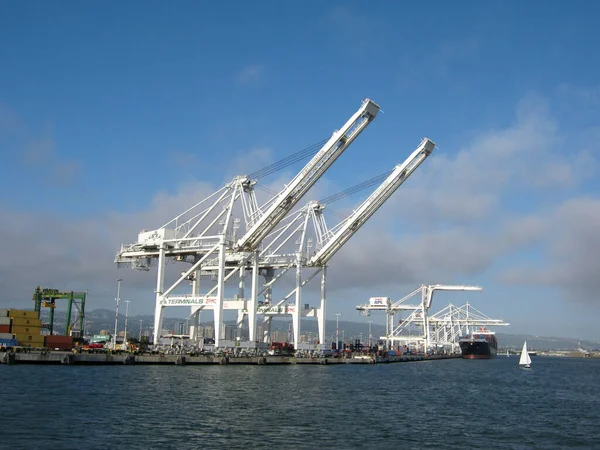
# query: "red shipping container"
4,328
64,342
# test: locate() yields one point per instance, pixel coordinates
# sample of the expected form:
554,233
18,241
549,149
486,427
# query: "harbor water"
475,404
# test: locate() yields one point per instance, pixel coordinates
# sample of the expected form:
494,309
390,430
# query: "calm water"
439,404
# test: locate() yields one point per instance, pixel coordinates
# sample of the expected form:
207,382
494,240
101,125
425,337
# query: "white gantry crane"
205,236
415,329
328,242
452,322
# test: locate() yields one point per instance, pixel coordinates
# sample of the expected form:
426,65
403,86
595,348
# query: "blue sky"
113,117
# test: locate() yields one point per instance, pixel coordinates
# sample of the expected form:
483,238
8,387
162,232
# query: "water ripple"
451,404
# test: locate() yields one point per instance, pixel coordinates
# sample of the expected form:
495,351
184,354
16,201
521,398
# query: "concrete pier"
70,358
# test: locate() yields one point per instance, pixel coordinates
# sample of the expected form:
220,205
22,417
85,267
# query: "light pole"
127,302
141,330
337,330
117,313
370,335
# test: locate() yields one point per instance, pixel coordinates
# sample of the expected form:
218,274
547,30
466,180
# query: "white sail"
525,359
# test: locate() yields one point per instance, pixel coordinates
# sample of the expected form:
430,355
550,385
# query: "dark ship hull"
479,346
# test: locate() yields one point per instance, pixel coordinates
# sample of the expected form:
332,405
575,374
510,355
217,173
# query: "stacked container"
5,332
26,328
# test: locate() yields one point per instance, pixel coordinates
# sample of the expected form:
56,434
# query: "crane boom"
428,290
307,177
400,173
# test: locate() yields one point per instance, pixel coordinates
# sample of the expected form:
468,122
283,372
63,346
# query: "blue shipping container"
8,342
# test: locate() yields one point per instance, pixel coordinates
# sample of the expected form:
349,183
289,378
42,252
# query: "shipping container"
3,312
23,313
5,329
5,320
59,338
30,338
26,330
379,301
8,342
6,336
22,322
100,338
63,342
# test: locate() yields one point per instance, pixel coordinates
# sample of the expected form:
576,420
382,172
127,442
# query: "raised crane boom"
427,291
351,225
307,177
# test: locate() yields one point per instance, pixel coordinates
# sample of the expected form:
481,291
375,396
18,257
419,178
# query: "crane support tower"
46,298
275,239
328,242
418,313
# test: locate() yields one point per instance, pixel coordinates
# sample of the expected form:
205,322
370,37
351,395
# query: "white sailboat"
525,360
507,355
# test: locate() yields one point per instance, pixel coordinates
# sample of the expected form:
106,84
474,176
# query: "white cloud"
183,159
439,60
10,122
571,245
70,254
453,219
56,170
249,74
36,151
478,184
460,213
250,160
452,51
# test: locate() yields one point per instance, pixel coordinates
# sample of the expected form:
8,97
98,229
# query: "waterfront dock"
71,358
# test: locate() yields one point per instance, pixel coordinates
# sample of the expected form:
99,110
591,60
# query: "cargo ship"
481,344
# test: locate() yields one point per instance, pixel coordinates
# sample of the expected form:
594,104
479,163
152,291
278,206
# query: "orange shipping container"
4,328
26,330
23,313
23,322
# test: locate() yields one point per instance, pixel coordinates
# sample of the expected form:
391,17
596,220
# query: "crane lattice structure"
206,237
327,241
452,322
46,298
414,330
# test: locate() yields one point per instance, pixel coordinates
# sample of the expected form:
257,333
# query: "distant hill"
104,319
